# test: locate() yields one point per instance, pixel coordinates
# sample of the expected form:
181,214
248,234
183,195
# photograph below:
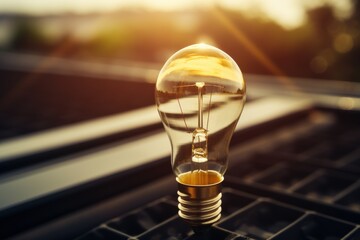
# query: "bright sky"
288,13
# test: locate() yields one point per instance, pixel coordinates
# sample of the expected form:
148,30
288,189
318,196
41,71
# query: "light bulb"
200,94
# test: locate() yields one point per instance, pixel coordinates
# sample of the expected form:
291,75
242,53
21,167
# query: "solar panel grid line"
347,191
320,217
306,180
308,173
343,229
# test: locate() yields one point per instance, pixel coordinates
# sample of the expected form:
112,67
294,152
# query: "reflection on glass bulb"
200,94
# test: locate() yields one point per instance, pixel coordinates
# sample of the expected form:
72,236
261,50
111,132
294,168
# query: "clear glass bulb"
200,94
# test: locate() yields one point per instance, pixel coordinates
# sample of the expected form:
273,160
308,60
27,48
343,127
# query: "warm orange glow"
200,178
289,14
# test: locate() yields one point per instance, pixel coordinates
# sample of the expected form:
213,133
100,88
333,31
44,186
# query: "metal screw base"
199,205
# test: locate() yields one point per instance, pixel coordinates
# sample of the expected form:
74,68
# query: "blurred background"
298,38
78,126
59,59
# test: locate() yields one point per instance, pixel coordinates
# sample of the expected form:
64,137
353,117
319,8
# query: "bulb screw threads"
199,205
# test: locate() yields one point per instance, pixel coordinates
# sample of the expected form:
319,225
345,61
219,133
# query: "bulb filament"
199,155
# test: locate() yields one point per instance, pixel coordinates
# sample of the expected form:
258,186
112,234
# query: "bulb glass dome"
200,94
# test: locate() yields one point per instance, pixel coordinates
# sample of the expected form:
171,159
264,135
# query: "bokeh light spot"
343,43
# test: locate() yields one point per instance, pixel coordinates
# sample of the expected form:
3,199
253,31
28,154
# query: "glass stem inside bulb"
200,144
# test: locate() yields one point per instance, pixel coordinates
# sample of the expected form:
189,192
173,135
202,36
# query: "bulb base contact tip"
199,205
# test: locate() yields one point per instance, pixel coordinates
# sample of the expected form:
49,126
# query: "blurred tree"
29,37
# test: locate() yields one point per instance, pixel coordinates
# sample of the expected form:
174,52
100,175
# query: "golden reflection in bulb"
205,66
200,94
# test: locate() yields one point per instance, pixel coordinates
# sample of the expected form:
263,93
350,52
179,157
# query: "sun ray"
241,37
